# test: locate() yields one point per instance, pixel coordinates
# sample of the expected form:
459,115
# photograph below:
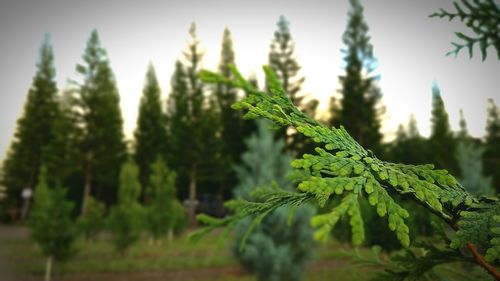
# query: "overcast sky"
409,46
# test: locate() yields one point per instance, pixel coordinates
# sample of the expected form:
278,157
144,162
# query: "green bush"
126,218
51,224
93,222
164,214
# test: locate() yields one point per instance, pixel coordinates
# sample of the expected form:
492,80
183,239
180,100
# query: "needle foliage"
343,169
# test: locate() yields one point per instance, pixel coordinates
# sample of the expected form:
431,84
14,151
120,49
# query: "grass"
207,260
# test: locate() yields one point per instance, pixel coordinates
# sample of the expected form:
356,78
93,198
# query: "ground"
20,260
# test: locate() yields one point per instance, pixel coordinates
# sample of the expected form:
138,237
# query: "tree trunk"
48,268
192,197
86,190
170,236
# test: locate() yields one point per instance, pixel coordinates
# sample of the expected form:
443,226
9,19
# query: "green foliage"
280,248
150,134
93,222
360,109
98,114
61,154
162,212
50,220
424,263
263,163
282,60
409,146
126,218
469,157
34,129
483,18
193,127
441,142
343,169
231,133
491,156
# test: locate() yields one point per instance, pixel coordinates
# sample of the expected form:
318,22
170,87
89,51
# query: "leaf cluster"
342,169
483,18
50,221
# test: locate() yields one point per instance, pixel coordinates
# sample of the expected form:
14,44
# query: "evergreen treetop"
360,108
341,168
491,154
441,140
34,129
230,121
150,134
413,131
282,61
99,115
194,126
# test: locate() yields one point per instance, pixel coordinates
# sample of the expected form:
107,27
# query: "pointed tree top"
436,91
464,132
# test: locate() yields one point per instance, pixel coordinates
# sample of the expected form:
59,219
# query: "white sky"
410,48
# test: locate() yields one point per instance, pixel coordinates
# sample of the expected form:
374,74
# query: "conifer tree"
193,126
51,224
164,212
278,249
343,170
409,146
491,156
360,109
150,134
126,218
61,155
93,222
282,60
441,142
230,120
34,129
469,159
102,142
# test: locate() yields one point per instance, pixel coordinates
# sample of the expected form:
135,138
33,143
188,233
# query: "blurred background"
110,144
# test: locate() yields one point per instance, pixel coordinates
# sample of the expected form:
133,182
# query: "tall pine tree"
491,156
360,109
150,134
193,126
441,141
102,143
61,154
282,59
230,119
34,129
